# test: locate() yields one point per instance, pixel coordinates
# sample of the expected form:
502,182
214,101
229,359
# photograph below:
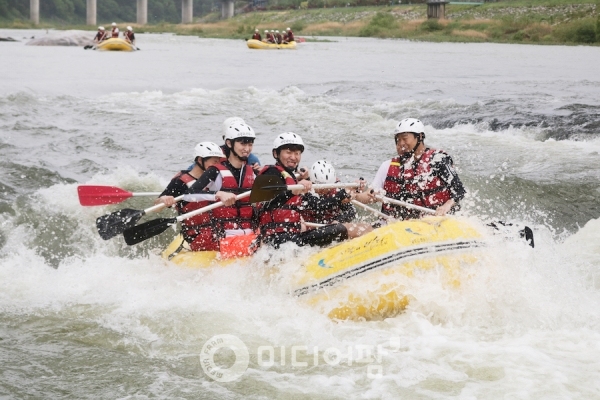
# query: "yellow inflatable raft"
257,44
115,44
367,277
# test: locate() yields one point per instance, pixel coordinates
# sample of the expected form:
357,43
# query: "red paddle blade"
92,195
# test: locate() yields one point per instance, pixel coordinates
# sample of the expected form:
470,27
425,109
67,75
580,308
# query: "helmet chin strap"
244,159
419,141
201,163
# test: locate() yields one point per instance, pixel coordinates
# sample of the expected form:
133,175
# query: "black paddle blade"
266,188
510,230
527,234
147,230
115,223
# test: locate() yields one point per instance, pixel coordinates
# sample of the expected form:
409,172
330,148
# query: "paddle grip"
160,206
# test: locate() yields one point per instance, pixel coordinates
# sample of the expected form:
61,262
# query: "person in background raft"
278,38
101,35
280,219
290,35
256,35
418,175
268,38
129,36
196,231
273,39
230,177
327,206
115,31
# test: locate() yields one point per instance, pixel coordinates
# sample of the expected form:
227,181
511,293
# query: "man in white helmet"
101,35
115,31
327,206
290,35
278,37
280,219
419,175
268,37
256,35
229,178
129,35
197,231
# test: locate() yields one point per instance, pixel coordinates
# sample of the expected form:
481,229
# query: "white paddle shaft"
405,204
160,206
210,207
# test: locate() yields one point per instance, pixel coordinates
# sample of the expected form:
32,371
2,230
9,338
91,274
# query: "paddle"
88,46
371,209
115,223
267,187
155,227
525,233
405,204
95,195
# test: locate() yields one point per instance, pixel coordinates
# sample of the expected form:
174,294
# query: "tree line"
74,11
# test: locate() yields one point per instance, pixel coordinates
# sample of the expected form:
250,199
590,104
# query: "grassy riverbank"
544,22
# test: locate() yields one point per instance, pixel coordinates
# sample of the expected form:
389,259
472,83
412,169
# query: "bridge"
142,11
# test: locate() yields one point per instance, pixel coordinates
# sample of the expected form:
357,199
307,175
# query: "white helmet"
276,31
272,31
100,28
129,28
208,149
239,130
322,172
256,30
411,125
288,29
288,138
230,121
114,24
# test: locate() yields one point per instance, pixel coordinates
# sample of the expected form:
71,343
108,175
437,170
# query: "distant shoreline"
533,22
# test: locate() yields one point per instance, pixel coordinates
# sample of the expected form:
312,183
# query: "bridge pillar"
436,9
90,12
187,11
142,12
227,9
34,11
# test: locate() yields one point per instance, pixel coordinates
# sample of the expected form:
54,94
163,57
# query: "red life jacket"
238,216
323,216
100,36
414,184
115,34
256,36
285,218
270,37
197,230
129,35
290,36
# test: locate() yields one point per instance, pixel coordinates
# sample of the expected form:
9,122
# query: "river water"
85,318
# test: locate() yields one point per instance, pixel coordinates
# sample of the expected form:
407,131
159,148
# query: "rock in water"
64,38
